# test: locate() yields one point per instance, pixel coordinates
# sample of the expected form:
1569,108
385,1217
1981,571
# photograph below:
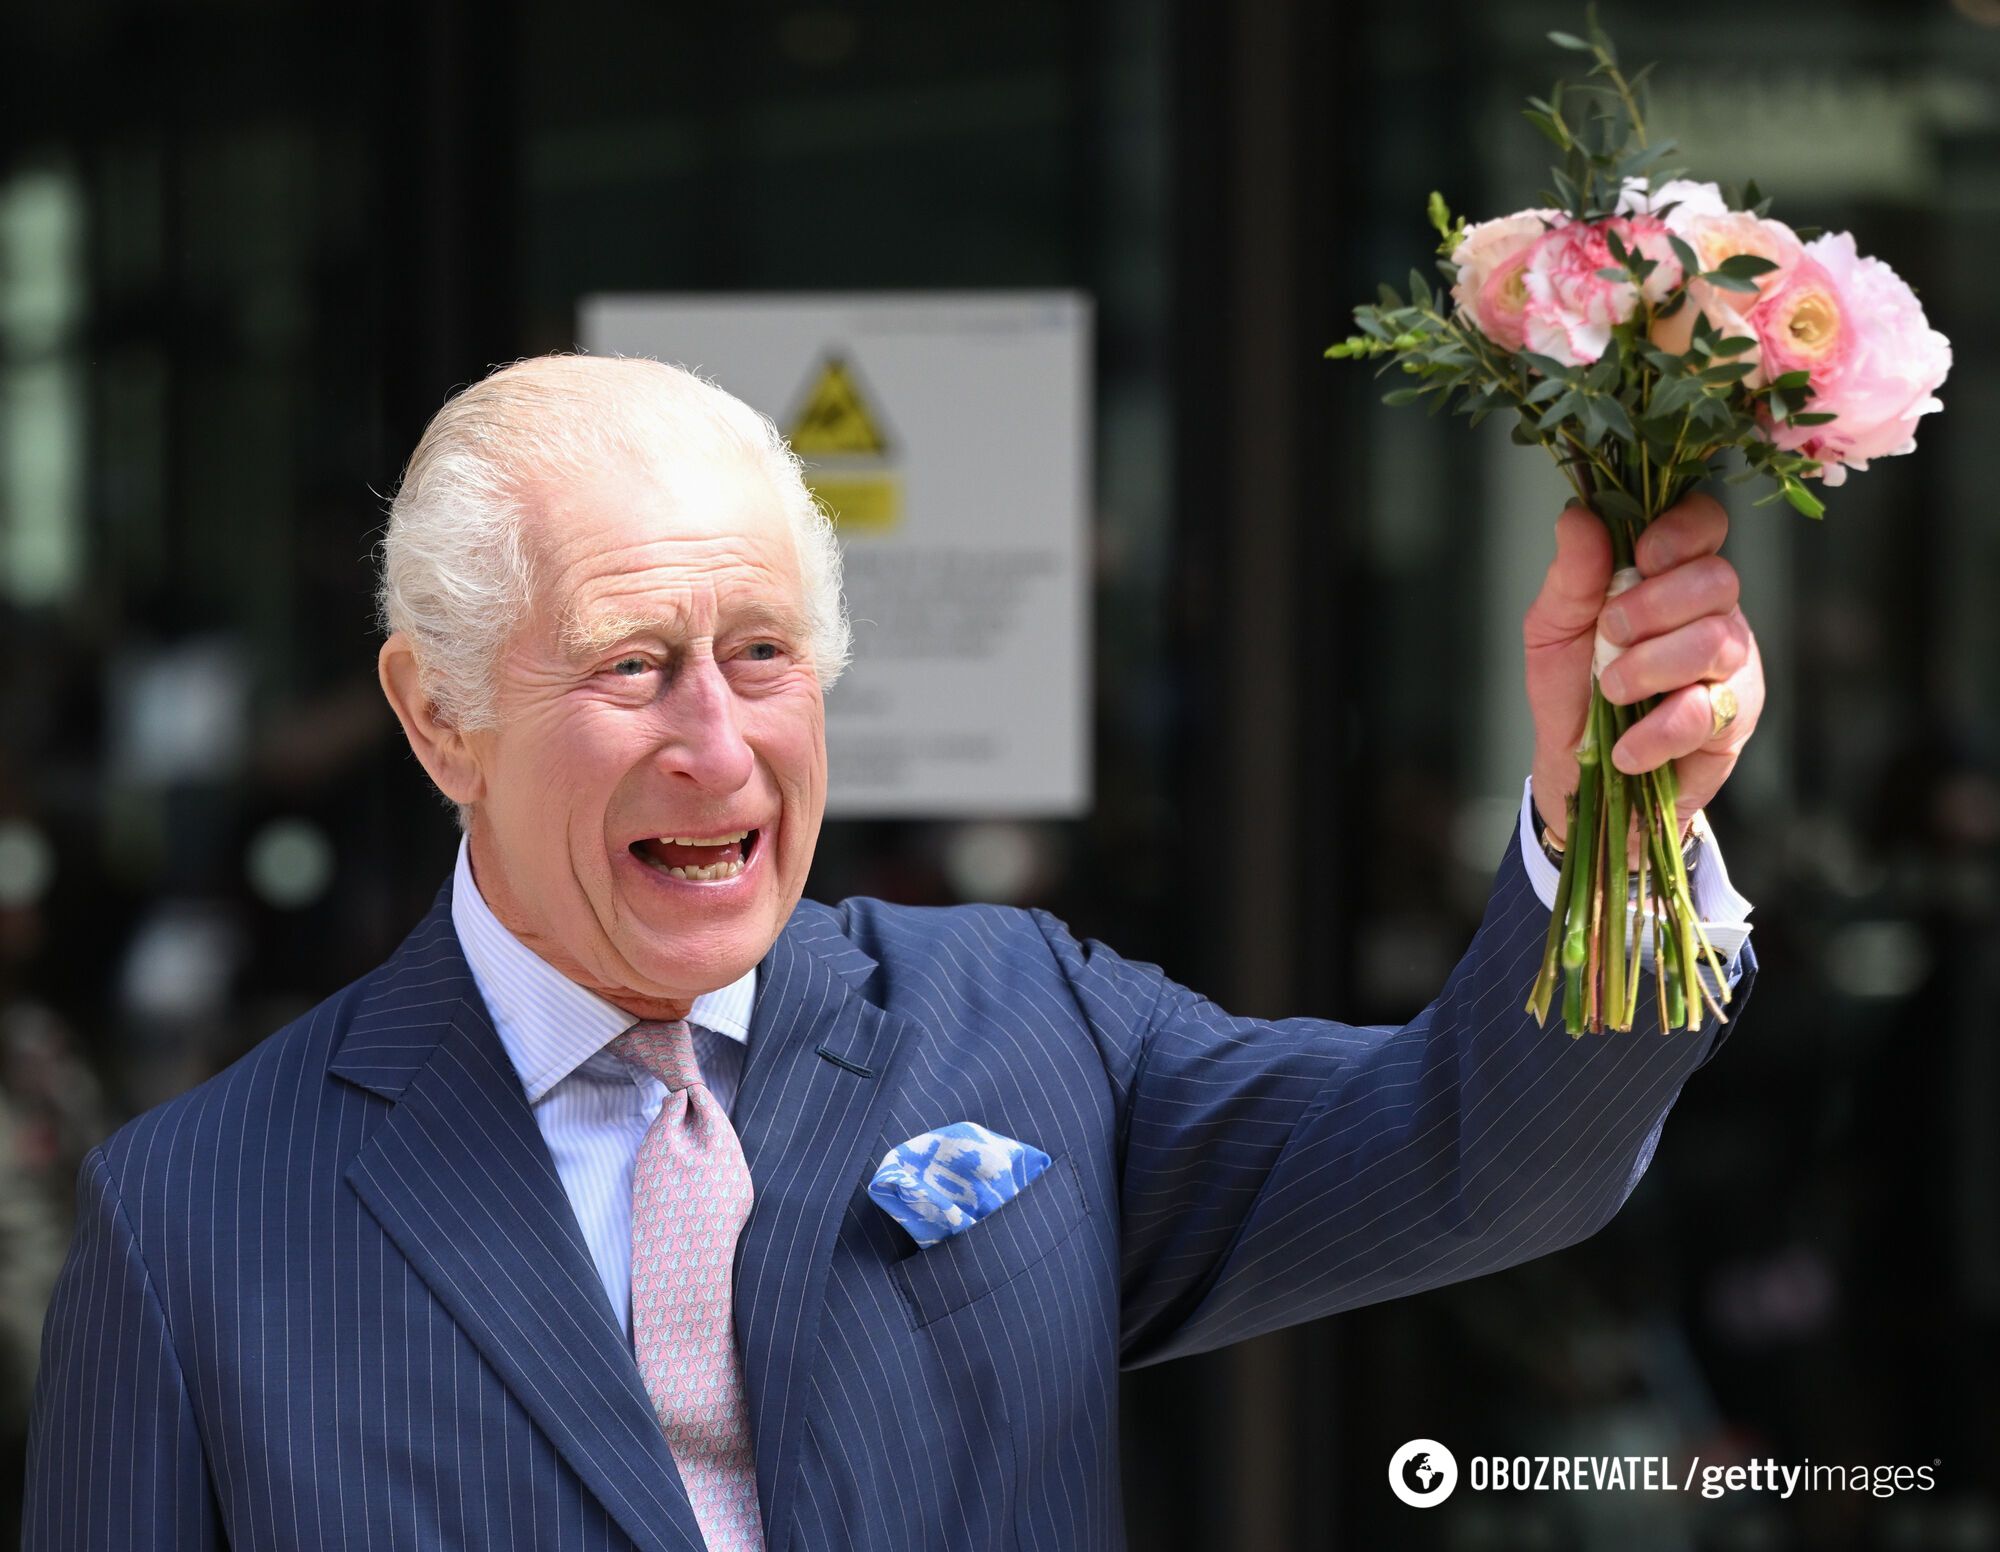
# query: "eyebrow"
582,637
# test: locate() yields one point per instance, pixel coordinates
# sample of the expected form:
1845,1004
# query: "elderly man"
561,1229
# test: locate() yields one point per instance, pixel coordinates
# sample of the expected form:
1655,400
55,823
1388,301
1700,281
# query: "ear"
440,747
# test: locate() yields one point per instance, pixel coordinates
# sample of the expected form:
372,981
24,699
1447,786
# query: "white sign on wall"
949,434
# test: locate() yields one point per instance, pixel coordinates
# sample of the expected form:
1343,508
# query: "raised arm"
1274,1171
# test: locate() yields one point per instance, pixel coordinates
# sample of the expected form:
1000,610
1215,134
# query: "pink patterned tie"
690,1197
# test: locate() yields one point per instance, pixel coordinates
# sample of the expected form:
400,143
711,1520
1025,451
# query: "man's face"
660,691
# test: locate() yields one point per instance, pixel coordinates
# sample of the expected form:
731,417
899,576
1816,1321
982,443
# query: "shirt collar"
548,1024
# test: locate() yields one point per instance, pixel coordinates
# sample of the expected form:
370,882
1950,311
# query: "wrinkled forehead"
634,537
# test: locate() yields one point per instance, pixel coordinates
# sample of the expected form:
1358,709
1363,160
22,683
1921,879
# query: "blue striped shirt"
592,1109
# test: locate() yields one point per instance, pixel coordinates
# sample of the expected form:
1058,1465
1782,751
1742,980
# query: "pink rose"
1489,261
1715,238
1571,309
1856,326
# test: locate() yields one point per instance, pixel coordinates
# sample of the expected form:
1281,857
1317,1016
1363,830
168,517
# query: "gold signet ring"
1721,709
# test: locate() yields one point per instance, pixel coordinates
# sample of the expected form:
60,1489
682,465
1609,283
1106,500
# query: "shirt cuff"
1722,910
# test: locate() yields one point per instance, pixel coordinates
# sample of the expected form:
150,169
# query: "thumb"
1572,594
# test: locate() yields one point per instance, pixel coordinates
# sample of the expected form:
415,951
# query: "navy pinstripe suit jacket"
336,1296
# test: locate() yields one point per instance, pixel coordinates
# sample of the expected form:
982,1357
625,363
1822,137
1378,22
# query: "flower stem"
1545,981
1639,917
1615,827
1580,839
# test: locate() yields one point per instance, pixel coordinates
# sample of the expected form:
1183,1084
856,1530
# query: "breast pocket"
998,1248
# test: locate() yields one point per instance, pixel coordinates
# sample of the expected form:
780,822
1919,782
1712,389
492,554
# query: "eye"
630,667
763,651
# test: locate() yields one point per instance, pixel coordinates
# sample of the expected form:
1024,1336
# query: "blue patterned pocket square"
942,1182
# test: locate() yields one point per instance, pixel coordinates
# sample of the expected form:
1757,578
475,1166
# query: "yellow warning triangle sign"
834,420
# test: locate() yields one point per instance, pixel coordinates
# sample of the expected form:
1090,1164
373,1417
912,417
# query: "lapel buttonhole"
842,1062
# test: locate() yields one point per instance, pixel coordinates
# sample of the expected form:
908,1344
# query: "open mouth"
698,858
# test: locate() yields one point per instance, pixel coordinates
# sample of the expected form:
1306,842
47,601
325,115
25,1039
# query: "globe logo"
1422,1473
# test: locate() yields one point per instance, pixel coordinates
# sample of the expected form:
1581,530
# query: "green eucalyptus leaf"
1548,126
1613,502
1560,410
1743,266
1673,396
1548,366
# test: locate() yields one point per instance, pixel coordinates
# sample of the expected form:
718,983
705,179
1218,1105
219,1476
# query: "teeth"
711,871
719,840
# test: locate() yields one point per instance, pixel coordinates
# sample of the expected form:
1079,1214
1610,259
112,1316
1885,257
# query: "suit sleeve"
1275,1171
114,1455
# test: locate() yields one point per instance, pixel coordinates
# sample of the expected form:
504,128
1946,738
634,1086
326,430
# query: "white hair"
458,573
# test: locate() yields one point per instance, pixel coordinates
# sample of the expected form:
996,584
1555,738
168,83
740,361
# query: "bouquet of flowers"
1641,326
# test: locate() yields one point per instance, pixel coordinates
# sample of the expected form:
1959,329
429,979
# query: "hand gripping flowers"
1639,332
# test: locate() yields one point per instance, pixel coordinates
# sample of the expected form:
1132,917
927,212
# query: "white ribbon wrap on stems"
1623,579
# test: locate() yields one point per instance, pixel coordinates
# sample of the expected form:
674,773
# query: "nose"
700,737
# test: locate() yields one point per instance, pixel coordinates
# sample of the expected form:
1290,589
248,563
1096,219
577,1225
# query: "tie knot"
665,1049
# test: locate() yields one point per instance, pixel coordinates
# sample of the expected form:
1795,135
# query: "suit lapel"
459,1177
821,1064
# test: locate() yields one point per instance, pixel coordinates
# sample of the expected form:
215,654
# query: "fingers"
1705,585
1713,646
1693,526
1681,728
1677,726
1573,591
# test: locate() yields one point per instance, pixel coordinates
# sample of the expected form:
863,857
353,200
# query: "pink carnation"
1489,262
1856,326
1571,309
